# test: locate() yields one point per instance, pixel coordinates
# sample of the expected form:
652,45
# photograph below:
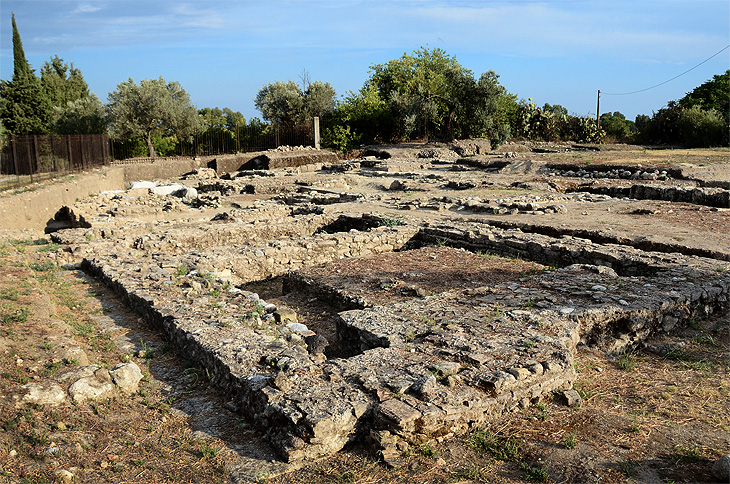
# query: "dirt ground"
658,414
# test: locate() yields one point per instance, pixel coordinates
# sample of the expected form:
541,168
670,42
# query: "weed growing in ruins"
528,343
474,473
11,315
429,451
627,362
49,247
571,440
543,413
182,270
501,447
146,352
536,474
628,468
391,222
43,267
583,390
688,453
705,339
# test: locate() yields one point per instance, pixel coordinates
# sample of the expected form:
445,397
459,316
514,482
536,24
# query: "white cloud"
87,8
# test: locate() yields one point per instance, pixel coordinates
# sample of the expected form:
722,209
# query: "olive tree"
287,104
152,107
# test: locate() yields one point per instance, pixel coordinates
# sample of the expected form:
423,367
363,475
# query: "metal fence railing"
220,141
26,159
30,158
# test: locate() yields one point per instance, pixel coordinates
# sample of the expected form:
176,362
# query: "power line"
669,80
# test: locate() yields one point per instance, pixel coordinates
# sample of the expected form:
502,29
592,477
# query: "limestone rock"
127,377
572,398
285,315
142,184
90,388
40,393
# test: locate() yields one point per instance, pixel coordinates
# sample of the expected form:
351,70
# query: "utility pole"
598,111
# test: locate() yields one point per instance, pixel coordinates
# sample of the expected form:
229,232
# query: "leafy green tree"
430,92
699,127
24,107
713,94
420,90
285,103
62,83
617,126
85,115
154,107
555,109
281,103
319,99
361,117
222,129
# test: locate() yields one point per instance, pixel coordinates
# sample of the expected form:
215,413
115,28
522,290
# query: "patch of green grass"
391,222
429,451
50,247
543,413
10,293
473,472
208,451
85,329
686,453
536,474
43,266
705,339
11,315
583,390
627,362
501,447
628,468
571,440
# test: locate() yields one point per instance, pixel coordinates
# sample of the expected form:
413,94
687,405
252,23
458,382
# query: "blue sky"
223,52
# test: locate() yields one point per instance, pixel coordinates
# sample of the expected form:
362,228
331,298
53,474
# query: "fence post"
35,156
15,156
316,132
84,161
70,153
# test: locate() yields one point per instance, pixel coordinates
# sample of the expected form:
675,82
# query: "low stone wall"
548,250
271,160
161,169
711,197
275,258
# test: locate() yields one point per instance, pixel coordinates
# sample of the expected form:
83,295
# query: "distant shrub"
340,138
701,128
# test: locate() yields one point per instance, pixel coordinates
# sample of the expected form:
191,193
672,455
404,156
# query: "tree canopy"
62,83
285,103
420,95
152,107
712,94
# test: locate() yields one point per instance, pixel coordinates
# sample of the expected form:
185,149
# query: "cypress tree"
24,108
21,68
